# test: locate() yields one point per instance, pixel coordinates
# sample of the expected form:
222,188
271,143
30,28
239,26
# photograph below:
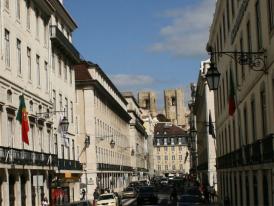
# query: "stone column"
5,188
28,189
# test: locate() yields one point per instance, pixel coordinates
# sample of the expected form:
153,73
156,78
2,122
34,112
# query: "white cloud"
129,80
188,31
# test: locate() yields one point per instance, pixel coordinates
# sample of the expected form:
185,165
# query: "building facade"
171,154
138,139
174,106
32,171
206,146
148,100
245,137
102,119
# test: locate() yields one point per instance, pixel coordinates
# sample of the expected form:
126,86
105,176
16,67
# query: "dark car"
147,195
187,200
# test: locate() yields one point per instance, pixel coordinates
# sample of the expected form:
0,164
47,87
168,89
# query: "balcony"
256,153
60,41
25,157
64,164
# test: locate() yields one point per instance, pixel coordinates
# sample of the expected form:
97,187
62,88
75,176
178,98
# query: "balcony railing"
59,39
26,157
111,167
261,151
64,164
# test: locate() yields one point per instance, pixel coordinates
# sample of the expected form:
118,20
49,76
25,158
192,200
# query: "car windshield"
106,197
129,189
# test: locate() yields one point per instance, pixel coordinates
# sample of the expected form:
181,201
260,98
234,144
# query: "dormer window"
180,140
172,141
158,142
165,141
40,108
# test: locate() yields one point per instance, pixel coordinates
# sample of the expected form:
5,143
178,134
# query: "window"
166,157
73,150
263,111
173,149
173,101
7,47
59,66
271,13
65,72
60,102
249,40
228,15
70,75
19,64
18,9
253,119
158,142
159,157
28,14
29,63
173,157
10,128
9,96
173,167
66,106
180,148
47,76
54,99
180,157
165,141
166,167
37,24
38,75
172,141
258,25
159,167
165,149
158,149
45,32
71,111
246,125
180,140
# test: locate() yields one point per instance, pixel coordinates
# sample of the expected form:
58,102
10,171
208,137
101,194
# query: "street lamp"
64,124
112,144
255,60
213,77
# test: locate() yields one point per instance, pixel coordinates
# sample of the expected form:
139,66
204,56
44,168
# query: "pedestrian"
96,194
173,195
45,201
83,194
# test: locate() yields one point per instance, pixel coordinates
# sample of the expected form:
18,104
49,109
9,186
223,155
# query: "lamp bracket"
255,60
47,113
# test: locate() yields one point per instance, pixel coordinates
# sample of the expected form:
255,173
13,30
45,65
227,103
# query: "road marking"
127,202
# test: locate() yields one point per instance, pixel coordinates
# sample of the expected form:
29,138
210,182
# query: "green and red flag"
22,117
231,97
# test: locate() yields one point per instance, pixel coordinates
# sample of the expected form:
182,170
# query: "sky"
144,44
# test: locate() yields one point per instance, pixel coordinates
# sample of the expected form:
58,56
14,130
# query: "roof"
168,129
81,72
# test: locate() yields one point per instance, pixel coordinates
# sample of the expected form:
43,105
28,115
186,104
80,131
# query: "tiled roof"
81,72
167,128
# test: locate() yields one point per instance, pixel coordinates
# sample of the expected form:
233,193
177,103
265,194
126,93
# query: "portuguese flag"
22,117
231,97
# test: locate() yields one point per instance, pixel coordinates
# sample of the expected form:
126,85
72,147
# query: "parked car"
79,203
129,192
164,181
147,195
109,199
187,200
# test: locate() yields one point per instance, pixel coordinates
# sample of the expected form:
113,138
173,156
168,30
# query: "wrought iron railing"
261,151
111,167
64,164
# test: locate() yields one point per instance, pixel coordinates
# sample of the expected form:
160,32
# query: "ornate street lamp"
64,124
213,77
112,144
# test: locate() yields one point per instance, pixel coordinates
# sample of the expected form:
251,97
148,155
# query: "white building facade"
102,116
206,146
138,139
30,172
245,137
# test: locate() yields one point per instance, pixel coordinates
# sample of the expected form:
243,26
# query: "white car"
109,199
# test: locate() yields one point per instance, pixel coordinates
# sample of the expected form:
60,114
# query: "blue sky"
144,44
